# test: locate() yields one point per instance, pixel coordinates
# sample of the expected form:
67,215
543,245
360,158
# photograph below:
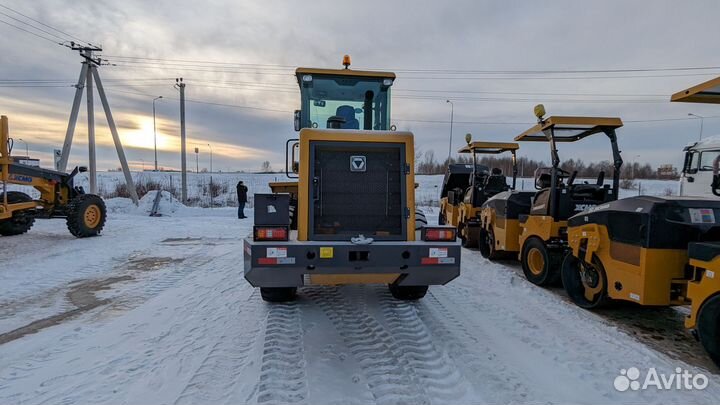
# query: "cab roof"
343,72
707,92
569,129
489,147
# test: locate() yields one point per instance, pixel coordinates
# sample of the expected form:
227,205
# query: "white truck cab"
697,172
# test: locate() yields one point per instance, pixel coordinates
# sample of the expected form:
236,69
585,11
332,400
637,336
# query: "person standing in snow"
242,199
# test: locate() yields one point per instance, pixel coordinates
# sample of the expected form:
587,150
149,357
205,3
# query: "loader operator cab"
559,193
343,99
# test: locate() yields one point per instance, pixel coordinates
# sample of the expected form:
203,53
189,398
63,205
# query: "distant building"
667,171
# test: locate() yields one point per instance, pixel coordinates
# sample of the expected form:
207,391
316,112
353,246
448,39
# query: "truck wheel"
409,292
486,244
540,266
585,283
86,215
21,221
278,294
420,220
708,328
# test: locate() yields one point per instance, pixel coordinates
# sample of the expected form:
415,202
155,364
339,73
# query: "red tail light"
439,234
265,233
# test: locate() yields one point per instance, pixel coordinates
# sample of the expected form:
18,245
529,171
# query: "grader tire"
21,221
708,328
86,215
278,294
540,265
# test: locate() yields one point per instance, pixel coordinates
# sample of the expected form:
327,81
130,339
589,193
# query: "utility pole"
91,129
183,152
155,130
88,75
452,113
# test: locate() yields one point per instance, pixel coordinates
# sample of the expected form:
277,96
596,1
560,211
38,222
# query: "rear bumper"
290,264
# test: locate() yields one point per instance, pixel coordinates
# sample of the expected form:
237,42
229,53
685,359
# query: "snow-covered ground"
156,310
427,193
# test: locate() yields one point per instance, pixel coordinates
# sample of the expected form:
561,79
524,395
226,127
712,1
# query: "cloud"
398,35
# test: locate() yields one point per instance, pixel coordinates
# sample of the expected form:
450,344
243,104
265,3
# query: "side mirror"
82,169
297,120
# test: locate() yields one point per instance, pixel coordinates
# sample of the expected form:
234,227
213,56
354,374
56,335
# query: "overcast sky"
243,53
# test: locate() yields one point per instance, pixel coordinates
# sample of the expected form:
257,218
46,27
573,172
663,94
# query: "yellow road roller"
653,251
461,208
543,231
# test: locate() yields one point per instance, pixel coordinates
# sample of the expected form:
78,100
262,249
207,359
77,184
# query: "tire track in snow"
437,372
389,377
222,369
282,373
471,351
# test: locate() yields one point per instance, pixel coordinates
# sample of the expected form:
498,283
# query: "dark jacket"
242,192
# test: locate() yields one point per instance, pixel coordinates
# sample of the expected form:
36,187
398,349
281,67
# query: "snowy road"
157,311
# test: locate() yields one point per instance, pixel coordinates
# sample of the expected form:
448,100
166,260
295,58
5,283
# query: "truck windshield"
362,102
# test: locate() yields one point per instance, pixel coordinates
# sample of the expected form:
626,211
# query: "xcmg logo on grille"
358,163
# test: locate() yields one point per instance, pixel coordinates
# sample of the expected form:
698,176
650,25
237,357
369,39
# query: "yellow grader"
354,196
59,198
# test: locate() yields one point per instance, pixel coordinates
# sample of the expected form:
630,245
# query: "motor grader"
653,251
461,205
85,214
355,193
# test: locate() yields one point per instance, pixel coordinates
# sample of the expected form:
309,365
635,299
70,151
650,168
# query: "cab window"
707,158
691,162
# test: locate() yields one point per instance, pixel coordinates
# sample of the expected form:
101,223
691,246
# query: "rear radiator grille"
348,203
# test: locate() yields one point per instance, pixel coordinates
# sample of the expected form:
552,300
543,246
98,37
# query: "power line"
32,26
30,32
431,71
44,24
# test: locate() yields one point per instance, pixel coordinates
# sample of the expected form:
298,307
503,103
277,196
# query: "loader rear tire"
541,266
278,294
409,292
21,221
86,215
708,328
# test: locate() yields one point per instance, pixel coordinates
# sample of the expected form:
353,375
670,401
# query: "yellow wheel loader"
543,238
653,251
85,214
355,194
462,207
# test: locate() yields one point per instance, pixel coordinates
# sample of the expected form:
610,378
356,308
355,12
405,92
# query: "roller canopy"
489,147
569,129
708,92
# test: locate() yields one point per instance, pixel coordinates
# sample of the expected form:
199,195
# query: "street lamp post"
702,119
452,113
155,130
27,153
211,153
